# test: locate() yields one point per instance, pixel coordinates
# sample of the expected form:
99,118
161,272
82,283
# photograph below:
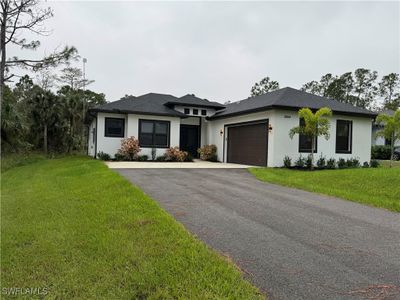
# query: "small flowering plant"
129,148
174,154
208,152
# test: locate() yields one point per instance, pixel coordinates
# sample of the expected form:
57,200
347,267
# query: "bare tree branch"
16,18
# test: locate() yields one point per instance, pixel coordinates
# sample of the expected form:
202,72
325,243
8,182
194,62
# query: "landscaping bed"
75,229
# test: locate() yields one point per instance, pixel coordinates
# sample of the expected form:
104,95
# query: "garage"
248,143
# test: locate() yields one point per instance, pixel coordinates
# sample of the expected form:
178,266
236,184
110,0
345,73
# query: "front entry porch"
190,139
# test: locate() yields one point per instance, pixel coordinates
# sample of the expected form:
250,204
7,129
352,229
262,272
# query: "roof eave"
120,111
269,107
217,107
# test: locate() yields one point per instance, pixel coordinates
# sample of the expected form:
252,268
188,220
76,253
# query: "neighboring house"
380,140
253,131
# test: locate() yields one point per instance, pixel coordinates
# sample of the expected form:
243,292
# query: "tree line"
360,88
34,116
48,112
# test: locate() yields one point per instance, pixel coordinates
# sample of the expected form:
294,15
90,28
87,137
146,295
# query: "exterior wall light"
270,128
221,132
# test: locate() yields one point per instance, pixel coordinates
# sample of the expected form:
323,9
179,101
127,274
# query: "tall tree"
74,78
13,123
325,82
319,88
389,89
72,102
341,88
44,109
45,78
264,86
365,89
312,87
23,88
390,130
17,17
314,125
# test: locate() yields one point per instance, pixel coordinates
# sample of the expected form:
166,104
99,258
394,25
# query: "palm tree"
391,129
43,110
314,125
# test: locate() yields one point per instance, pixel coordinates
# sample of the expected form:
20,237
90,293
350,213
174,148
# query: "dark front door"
248,144
190,138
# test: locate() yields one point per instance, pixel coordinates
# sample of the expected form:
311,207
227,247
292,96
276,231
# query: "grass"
79,230
13,160
386,163
378,187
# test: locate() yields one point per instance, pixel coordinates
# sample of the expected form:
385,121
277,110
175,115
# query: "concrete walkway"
196,164
290,243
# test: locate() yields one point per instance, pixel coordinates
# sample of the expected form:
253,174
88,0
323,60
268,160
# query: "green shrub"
213,158
143,157
341,163
103,156
365,164
321,162
353,163
331,163
208,152
374,163
356,163
380,152
308,161
287,162
300,162
119,157
160,158
189,157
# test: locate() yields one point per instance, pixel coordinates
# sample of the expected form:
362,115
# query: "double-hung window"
344,130
305,141
154,134
114,127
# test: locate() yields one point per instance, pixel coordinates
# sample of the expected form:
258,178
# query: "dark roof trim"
118,111
216,106
291,108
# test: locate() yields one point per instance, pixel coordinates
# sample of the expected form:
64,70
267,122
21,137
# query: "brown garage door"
248,144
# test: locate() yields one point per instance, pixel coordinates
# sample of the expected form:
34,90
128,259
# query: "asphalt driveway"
291,244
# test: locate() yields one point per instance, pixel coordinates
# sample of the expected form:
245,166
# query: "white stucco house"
252,131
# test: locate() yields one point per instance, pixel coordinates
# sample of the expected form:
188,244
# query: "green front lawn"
377,187
386,163
75,228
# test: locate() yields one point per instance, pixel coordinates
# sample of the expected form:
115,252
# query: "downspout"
94,115
95,144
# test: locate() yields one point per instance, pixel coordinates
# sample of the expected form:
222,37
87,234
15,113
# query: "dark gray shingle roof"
196,101
155,104
289,98
151,104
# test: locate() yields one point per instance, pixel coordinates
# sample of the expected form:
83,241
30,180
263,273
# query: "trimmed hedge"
380,152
